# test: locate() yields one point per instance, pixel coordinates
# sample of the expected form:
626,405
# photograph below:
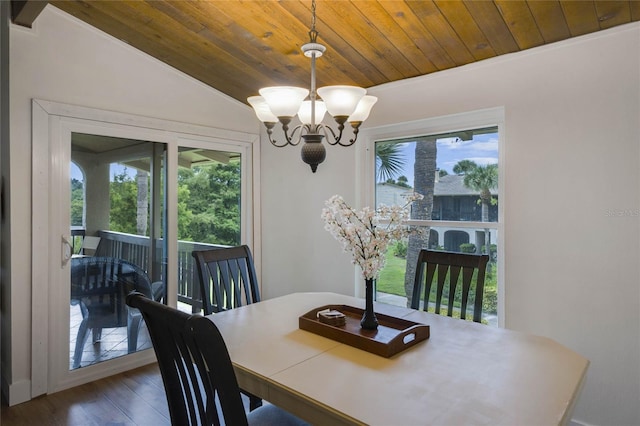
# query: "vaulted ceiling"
238,47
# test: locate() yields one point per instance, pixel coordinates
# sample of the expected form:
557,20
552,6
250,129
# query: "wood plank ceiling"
238,47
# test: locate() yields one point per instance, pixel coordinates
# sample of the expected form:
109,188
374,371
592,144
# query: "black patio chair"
99,285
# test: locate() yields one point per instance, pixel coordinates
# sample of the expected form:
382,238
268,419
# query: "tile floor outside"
113,343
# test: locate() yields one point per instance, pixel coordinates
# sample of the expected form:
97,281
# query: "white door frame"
52,126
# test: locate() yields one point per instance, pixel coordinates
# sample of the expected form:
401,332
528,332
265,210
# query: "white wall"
571,163
64,60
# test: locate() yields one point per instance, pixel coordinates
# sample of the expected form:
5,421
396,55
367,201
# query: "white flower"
361,233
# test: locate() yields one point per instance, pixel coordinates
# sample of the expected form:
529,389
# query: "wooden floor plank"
133,398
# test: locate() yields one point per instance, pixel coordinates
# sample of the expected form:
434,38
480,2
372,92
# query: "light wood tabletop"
465,373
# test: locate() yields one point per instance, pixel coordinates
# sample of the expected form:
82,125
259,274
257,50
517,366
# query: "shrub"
493,250
400,249
467,248
490,300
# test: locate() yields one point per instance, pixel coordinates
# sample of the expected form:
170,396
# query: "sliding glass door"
117,216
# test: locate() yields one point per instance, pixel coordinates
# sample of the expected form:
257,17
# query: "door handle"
67,249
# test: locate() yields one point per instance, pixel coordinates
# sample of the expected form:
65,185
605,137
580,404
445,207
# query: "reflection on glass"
117,214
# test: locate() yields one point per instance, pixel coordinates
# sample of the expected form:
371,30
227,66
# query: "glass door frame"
53,124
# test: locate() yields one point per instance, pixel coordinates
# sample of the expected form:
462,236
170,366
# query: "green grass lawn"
391,278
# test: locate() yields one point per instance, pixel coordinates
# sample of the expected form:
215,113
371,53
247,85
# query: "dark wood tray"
392,336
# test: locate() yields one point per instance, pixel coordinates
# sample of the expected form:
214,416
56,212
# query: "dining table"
464,373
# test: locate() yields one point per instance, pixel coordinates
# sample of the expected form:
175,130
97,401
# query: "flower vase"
369,320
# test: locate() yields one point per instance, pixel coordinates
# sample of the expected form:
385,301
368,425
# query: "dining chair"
443,269
99,285
198,376
227,280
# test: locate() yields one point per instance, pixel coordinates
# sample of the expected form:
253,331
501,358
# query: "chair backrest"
194,364
101,284
227,278
445,267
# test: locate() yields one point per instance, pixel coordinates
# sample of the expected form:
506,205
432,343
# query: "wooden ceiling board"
550,20
204,61
462,22
581,17
612,13
397,39
240,46
359,31
489,20
418,34
635,10
340,54
519,19
223,33
429,13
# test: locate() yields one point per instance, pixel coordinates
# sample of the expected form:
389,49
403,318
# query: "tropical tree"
123,196
389,160
483,179
464,166
424,174
77,202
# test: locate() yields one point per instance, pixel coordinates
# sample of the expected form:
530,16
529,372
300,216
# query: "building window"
457,173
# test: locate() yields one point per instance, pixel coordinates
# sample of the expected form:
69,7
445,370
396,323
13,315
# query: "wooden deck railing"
135,249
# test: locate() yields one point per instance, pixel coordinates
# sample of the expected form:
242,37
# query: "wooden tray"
392,336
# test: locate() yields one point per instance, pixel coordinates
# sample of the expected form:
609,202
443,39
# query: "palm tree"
389,160
483,179
424,174
464,166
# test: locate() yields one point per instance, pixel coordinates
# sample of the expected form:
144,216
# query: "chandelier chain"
313,34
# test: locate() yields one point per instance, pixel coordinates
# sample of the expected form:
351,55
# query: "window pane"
457,173
209,206
116,219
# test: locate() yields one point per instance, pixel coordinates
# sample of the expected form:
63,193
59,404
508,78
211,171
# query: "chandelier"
346,104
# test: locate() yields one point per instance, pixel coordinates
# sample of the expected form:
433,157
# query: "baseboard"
16,393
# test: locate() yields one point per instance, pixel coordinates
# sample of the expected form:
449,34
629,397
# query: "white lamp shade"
363,109
305,112
284,101
262,109
341,100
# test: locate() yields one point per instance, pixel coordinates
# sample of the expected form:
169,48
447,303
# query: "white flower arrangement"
367,233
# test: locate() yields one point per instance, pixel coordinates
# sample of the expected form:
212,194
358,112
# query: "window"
457,173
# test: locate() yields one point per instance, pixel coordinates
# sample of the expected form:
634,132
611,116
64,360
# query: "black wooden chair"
227,280
446,268
99,285
197,373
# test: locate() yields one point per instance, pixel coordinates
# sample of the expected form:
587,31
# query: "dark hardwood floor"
135,397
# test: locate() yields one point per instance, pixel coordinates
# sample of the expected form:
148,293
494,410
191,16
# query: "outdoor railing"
135,249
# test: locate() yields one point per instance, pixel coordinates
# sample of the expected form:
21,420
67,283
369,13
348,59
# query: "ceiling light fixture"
281,103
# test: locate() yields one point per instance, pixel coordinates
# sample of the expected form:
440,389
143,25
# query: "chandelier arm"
355,125
289,139
335,140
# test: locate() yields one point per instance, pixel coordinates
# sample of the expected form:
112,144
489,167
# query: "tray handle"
409,337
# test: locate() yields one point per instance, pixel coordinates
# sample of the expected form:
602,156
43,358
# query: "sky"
482,150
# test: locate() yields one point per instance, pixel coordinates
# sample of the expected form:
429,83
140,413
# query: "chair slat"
449,266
